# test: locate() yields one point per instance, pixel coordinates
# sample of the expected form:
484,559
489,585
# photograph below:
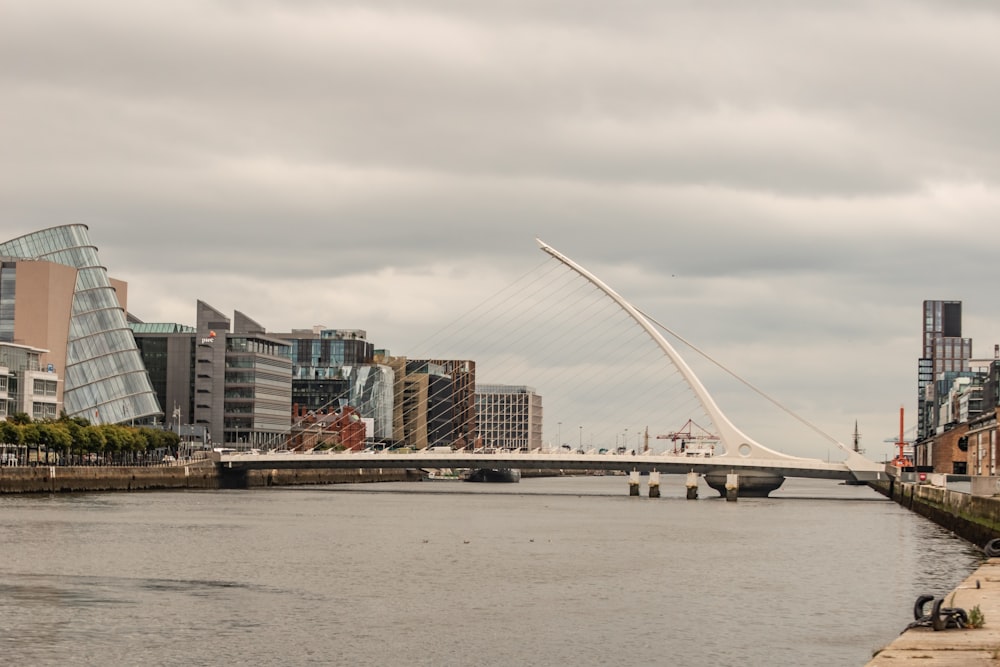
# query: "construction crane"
702,438
901,460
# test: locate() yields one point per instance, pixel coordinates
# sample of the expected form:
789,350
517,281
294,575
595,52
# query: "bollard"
732,487
654,484
633,483
692,486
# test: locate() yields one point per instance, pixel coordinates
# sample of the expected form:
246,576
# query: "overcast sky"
781,182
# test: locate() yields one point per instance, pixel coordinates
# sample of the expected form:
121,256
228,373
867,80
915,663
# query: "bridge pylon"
737,444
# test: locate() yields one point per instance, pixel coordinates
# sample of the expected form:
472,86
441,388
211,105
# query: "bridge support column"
692,486
732,487
232,478
751,483
633,483
654,484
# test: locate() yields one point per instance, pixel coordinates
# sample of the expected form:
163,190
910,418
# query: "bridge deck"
663,463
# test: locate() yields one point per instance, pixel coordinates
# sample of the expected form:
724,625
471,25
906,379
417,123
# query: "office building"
433,401
26,386
335,368
943,351
509,417
228,377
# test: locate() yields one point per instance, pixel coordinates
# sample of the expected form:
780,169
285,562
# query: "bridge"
758,469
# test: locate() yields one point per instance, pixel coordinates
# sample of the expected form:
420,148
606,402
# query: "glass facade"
105,379
7,285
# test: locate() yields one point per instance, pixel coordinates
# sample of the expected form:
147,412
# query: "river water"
550,571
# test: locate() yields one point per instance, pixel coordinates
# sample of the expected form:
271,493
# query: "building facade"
509,417
25,386
56,296
334,368
229,378
943,350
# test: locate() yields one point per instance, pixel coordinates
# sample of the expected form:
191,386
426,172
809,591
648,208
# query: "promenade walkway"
955,648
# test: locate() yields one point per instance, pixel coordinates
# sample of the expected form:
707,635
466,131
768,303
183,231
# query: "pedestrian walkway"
955,647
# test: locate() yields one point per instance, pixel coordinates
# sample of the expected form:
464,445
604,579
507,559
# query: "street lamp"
581,437
559,434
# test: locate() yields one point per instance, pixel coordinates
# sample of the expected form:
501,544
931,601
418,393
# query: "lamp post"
558,435
581,437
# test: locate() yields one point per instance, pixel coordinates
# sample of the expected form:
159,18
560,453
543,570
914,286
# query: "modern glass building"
56,295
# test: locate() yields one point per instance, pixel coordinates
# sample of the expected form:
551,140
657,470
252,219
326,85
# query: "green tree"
31,438
94,441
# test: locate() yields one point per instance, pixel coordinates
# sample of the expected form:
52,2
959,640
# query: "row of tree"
75,441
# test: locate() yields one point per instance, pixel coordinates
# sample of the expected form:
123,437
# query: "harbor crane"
692,437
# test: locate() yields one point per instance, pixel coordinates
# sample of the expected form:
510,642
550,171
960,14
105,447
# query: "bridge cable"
752,387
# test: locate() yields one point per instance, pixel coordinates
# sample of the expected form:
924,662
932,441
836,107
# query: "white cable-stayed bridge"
607,374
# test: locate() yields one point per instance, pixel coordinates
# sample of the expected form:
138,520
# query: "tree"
31,438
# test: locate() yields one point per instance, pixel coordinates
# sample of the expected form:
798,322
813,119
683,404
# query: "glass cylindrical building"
105,380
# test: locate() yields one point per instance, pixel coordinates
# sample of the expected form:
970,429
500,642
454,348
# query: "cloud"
783,182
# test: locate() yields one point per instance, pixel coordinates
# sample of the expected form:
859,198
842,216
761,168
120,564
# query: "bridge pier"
633,483
749,483
232,478
692,486
654,484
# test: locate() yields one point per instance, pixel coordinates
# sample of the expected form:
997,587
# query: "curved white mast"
736,442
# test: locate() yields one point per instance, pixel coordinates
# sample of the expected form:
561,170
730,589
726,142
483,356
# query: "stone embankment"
965,647
972,517
975,518
78,479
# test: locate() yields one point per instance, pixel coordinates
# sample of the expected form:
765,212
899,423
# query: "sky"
783,183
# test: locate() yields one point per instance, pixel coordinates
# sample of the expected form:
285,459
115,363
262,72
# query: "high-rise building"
509,417
943,351
55,295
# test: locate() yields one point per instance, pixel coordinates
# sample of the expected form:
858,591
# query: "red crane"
901,460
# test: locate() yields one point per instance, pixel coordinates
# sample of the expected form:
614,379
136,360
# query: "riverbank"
979,647
79,479
973,518
977,520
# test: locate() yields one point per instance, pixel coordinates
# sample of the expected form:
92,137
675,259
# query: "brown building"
945,452
342,429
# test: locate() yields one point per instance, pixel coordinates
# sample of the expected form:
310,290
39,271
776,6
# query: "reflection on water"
446,573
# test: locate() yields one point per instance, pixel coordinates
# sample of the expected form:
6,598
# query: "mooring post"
654,484
633,483
692,485
732,487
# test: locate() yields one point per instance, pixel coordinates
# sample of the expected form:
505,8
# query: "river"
551,571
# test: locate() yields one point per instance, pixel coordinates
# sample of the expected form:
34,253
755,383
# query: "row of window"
45,387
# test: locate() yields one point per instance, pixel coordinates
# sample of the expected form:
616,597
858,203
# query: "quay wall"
973,518
79,479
